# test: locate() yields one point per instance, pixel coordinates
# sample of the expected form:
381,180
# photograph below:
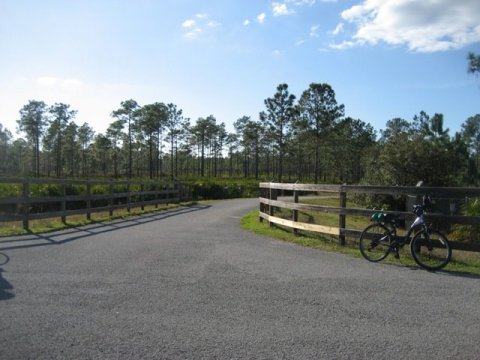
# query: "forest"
305,138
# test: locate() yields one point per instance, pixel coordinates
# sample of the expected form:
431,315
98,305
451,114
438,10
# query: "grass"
462,262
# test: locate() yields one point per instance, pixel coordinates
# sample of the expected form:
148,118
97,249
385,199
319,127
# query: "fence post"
110,212
341,217
128,196
89,200
142,197
26,203
272,196
261,204
295,211
156,194
167,189
270,208
64,203
178,188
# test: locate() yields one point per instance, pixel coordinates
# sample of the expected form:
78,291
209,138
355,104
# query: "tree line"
304,139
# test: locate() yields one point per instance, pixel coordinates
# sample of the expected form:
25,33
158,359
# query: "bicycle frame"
418,223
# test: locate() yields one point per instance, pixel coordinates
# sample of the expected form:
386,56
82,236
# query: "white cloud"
422,26
301,2
246,22
343,45
276,52
306,2
280,9
198,25
300,42
338,29
193,34
261,18
213,24
314,31
188,23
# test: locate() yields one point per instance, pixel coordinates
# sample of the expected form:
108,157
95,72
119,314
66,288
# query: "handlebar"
426,204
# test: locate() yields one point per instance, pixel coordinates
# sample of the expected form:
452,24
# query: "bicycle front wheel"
431,250
375,242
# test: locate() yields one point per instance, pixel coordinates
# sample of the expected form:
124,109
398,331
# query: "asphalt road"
191,284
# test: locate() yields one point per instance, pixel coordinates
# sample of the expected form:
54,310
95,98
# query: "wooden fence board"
301,187
11,217
302,226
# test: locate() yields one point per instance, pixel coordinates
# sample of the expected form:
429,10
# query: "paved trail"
190,284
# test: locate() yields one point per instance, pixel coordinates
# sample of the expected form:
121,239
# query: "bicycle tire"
432,252
375,241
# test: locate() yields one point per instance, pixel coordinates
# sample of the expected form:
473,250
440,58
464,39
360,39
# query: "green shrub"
212,188
10,190
380,201
468,233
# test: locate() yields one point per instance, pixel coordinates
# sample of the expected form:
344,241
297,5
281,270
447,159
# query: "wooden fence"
28,204
269,201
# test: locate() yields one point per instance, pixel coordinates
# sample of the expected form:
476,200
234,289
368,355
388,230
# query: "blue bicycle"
429,248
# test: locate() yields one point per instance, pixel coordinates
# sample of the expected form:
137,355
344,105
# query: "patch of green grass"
461,263
251,222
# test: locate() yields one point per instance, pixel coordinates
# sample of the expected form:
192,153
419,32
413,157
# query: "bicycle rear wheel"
432,251
375,242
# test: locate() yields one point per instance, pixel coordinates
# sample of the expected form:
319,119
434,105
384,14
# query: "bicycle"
429,248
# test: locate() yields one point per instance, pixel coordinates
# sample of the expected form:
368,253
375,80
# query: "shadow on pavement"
5,287
458,274
75,233
444,272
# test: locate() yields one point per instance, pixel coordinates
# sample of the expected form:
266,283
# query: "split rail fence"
28,204
269,201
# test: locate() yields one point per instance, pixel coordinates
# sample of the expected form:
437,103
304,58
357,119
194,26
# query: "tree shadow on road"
75,233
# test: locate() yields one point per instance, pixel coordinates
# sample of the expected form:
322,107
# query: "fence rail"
20,206
269,201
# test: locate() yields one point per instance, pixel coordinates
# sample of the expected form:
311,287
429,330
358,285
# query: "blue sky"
383,58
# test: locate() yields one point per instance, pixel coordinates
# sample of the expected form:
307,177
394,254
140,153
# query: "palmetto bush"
468,233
